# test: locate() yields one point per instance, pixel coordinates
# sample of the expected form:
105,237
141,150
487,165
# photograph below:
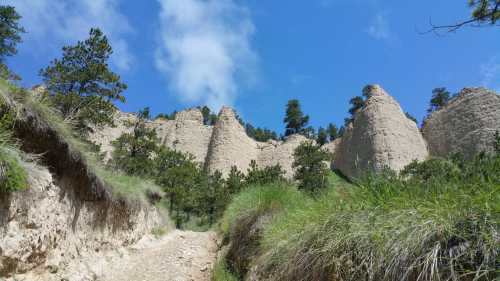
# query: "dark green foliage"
309,133
356,104
440,98
235,182
10,31
260,134
322,137
266,175
496,144
81,85
179,176
439,219
166,116
13,176
311,170
409,116
295,119
214,197
485,11
133,151
341,131
333,132
209,118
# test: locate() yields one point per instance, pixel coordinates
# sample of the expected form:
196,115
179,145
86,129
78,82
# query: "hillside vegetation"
438,220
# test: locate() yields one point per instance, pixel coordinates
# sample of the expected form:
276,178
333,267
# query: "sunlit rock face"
381,136
230,145
466,125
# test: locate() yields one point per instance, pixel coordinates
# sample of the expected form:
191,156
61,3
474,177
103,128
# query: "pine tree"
295,119
333,132
133,151
322,136
311,168
10,32
81,85
440,98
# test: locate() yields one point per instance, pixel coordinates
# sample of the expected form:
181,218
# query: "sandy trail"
178,256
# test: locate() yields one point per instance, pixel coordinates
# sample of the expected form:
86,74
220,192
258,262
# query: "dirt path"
178,256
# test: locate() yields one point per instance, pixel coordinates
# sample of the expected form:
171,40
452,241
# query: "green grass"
442,227
13,175
275,198
121,185
222,273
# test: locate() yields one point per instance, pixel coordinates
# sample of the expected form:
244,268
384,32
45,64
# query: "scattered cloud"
490,73
53,23
379,28
205,49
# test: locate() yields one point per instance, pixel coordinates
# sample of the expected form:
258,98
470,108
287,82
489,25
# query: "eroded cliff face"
466,125
48,227
186,133
230,145
216,147
379,137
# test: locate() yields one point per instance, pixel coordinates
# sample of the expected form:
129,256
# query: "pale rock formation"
186,133
466,125
273,153
381,136
230,145
48,226
217,147
105,136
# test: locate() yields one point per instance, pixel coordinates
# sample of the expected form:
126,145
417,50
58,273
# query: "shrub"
133,151
311,168
420,226
13,176
266,175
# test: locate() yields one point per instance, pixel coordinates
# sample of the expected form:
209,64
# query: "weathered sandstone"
230,145
381,136
186,133
49,226
466,125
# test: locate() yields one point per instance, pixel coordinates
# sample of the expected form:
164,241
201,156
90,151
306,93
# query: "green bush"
438,220
13,176
311,168
222,273
395,228
263,176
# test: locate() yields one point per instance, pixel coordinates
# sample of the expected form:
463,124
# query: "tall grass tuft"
438,220
121,185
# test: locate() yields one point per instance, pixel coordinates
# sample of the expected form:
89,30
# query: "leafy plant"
311,168
81,85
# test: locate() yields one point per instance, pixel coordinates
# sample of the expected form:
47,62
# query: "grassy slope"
381,229
121,185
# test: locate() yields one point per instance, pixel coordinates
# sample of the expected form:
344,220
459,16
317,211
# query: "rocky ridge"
379,137
466,125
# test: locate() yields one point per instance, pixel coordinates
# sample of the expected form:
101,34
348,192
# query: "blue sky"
256,55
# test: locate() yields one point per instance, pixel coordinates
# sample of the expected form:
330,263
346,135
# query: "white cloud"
490,73
53,23
205,49
379,28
